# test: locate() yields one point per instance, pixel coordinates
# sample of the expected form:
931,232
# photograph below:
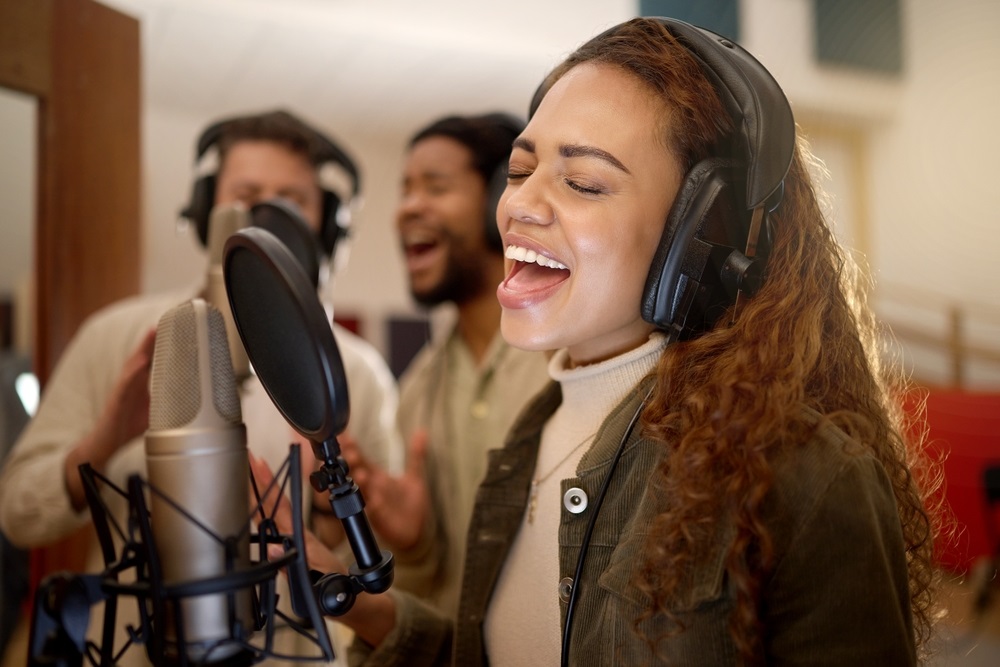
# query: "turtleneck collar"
596,388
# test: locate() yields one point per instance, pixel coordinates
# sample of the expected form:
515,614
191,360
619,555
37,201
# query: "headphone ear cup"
332,230
684,291
199,209
494,190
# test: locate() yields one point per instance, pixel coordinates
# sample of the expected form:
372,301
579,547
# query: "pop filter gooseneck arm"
290,344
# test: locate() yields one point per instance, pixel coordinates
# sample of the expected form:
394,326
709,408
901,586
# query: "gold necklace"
533,498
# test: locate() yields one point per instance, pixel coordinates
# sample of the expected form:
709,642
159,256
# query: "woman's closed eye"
579,183
517,175
584,187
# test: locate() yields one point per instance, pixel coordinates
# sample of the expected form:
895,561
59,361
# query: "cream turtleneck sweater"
522,624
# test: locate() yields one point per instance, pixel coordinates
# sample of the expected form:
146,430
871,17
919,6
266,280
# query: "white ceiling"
361,66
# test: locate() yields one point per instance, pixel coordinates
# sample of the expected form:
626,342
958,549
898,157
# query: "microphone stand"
373,571
61,614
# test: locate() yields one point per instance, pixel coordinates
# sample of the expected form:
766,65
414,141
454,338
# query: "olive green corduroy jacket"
837,594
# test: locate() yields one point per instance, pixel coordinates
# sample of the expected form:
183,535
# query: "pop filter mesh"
284,222
281,347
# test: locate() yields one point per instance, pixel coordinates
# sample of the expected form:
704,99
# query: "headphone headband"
764,135
335,220
327,149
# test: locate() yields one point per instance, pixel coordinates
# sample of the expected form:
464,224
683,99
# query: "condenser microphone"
198,471
225,221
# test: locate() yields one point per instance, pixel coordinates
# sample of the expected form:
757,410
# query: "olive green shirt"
467,410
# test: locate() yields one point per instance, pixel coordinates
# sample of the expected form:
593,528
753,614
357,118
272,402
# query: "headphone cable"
590,527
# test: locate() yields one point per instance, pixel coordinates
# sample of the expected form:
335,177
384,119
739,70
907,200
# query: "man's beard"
464,279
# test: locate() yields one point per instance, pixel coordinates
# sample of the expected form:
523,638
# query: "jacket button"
575,500
565,588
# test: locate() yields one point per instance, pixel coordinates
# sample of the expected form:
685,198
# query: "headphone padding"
331,231
681,255
199,208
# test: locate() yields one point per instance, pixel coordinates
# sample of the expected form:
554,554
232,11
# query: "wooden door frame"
80,61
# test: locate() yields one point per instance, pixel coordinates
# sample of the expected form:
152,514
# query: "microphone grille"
176,387
175,393
225,396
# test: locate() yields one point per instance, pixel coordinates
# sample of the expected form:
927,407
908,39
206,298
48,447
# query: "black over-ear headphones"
498,181
711,248
336,214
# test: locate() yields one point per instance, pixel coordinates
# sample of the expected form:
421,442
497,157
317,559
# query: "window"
862,34
719,16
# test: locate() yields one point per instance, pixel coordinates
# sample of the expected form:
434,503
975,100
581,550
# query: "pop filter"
290,344
286,335
284,219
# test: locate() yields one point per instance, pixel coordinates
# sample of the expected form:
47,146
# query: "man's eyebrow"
574,150
432,176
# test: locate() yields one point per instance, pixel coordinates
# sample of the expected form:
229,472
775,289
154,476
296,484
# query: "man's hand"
398,508
125,417
126,414
277,504
373,616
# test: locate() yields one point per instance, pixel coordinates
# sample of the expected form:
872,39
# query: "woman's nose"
526,202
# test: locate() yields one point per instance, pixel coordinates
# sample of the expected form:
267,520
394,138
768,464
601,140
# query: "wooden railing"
964,333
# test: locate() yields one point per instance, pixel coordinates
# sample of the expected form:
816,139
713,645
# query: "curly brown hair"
729,402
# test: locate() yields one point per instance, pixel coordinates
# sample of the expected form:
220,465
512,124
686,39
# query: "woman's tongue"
530,277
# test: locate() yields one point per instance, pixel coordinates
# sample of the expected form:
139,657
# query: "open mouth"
417,244
420,250
531,271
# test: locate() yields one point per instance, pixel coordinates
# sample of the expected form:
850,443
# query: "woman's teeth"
519,254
